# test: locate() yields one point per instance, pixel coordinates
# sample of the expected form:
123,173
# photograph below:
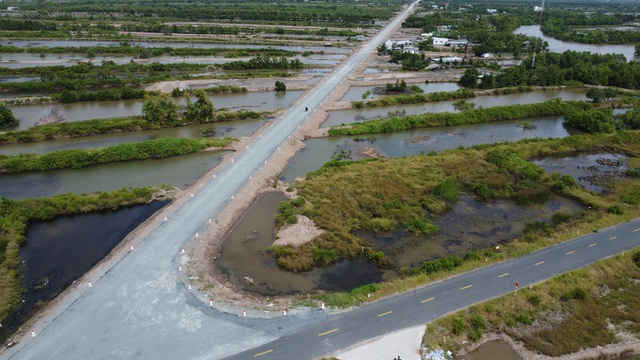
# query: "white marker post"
183,250
33,333
284,312
90,284
210,302
189,286
244,312
165,218
179,268
131,247
322,305
197,234
209,221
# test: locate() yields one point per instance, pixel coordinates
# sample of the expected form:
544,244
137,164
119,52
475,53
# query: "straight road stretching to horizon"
137,307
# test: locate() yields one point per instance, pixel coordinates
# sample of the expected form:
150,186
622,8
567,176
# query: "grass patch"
581,309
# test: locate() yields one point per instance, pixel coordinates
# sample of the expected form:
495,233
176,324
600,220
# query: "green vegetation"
381,195
280,86
376,195
260,63
510,112
107,126
6,116
15,215
582,309
567,69
78,158
414,98
570,26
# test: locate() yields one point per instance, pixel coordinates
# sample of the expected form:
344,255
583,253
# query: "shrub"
459,325
324,256
636,258
524,319
478,322
365,289
475,334
534,300
615,209
422,225
447,190
577,293
560,217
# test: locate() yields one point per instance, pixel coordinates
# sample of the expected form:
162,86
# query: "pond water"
58,252
159,44
355,92
23,60
179,171
493,350
246,261
562,46
594,172
404,143
238,129
258,101
470,225
347,116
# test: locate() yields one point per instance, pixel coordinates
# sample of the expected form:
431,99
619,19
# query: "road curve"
136,307
330,336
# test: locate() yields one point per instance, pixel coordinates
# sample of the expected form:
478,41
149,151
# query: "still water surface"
347,116
179,171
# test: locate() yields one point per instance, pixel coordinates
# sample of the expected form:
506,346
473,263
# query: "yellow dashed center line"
503,275
466,287
263,353
592,245
384,314
328,332
570,252
613,238
427,300
539,263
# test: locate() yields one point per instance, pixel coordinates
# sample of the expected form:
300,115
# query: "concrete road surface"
137,308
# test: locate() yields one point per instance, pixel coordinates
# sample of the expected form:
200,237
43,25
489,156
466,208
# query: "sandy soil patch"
297,234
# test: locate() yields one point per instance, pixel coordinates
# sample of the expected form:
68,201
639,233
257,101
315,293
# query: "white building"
537,9
439,41
492,11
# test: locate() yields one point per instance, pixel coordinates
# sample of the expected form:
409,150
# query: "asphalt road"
136,307
329,337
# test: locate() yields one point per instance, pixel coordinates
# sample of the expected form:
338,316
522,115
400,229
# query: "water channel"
58,252
257,101
347,116
236,128
179,171
160,44
561,46
405,143
355,92
246,261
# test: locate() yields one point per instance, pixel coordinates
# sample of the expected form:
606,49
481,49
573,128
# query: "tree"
470,78
159,109
596,95
280,86
610,93
6,116
201,109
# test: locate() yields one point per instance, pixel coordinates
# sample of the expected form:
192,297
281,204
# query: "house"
425,36
449,60
457,43
538,9
492,11
404,45
439,41
487,55
360,38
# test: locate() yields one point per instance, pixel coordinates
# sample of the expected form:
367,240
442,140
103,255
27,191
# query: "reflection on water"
404,143
179,171
60,251
247,262
257,101
594,172
237,129
347,116
561,46
355,92
469,226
